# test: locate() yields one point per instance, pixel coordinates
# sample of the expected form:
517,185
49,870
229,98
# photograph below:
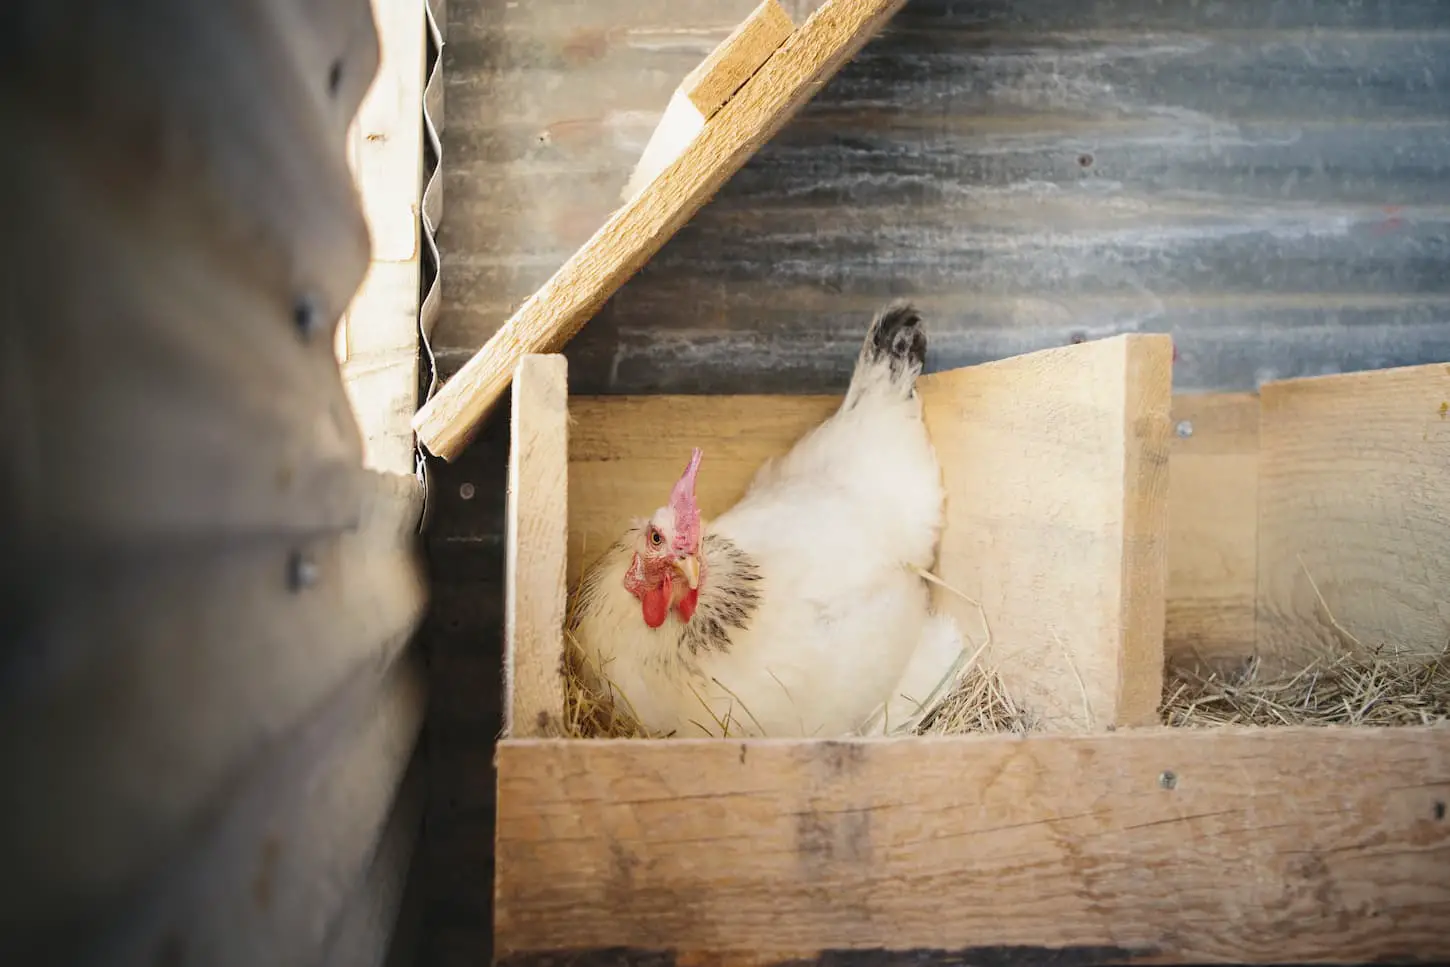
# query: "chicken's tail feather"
892,355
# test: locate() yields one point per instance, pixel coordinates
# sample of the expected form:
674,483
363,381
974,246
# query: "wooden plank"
706,89
1188,846
739,56
557,311
269,878
1354,515
1056,470
1213,521
213,656
536,541
378,342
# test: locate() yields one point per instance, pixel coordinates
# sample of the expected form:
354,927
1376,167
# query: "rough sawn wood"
1241,846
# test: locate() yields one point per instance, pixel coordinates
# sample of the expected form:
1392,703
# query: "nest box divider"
723,112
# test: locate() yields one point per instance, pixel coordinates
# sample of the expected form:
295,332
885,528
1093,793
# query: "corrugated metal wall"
206,708
1268,180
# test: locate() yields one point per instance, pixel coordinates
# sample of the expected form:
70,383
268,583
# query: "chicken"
800,611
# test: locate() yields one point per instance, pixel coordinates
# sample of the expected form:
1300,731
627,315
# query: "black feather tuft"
896,334
728,599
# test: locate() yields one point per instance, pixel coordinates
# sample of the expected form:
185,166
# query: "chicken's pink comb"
682,502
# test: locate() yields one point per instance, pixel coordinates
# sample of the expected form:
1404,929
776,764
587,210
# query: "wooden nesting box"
1105,838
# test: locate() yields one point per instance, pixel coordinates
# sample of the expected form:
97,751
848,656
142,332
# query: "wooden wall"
1269,182
207,703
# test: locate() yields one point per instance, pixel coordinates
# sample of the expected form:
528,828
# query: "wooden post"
536,547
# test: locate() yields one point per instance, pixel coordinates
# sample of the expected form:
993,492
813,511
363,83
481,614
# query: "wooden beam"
1213,522
638,229
706,89
536,541
1056,467
1354,515
1291,845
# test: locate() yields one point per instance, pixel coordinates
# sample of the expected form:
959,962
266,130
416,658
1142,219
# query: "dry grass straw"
1359,686
1348,689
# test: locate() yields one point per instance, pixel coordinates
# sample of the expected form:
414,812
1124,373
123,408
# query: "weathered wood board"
1354,516
537,545
1056,470
1185,846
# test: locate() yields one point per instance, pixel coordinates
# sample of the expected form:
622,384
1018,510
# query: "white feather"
832,526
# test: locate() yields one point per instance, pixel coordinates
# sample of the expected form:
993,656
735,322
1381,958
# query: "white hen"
795,612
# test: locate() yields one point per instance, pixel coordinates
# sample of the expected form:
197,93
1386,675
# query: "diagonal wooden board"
639,228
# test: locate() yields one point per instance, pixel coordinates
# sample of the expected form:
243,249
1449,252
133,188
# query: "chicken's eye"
655,537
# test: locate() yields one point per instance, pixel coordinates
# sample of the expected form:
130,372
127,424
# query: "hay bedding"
1362,687
1347,690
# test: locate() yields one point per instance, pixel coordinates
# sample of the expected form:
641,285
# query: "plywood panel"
1185,846
1354,525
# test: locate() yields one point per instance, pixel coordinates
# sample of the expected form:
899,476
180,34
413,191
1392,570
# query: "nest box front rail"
744,93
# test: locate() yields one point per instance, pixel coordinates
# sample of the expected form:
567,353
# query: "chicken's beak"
689,566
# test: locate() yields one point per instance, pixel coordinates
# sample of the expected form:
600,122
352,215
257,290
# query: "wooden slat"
1354,501
557,311
147,688
739,55
361,937
1238,846
1213,519
706,89
537,546
380,329
269,880
1056,470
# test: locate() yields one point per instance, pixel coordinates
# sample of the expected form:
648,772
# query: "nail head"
1184,428
466,491
301,571
1168,779
305,316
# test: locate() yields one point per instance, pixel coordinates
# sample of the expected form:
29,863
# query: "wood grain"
1213,521
640,227
1056,471
706,89
1354,499
739,55
536,542
1271,846
378,335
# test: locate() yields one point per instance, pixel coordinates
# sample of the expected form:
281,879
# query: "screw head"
466,491
1168,779
1184,429
301,571
306,316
